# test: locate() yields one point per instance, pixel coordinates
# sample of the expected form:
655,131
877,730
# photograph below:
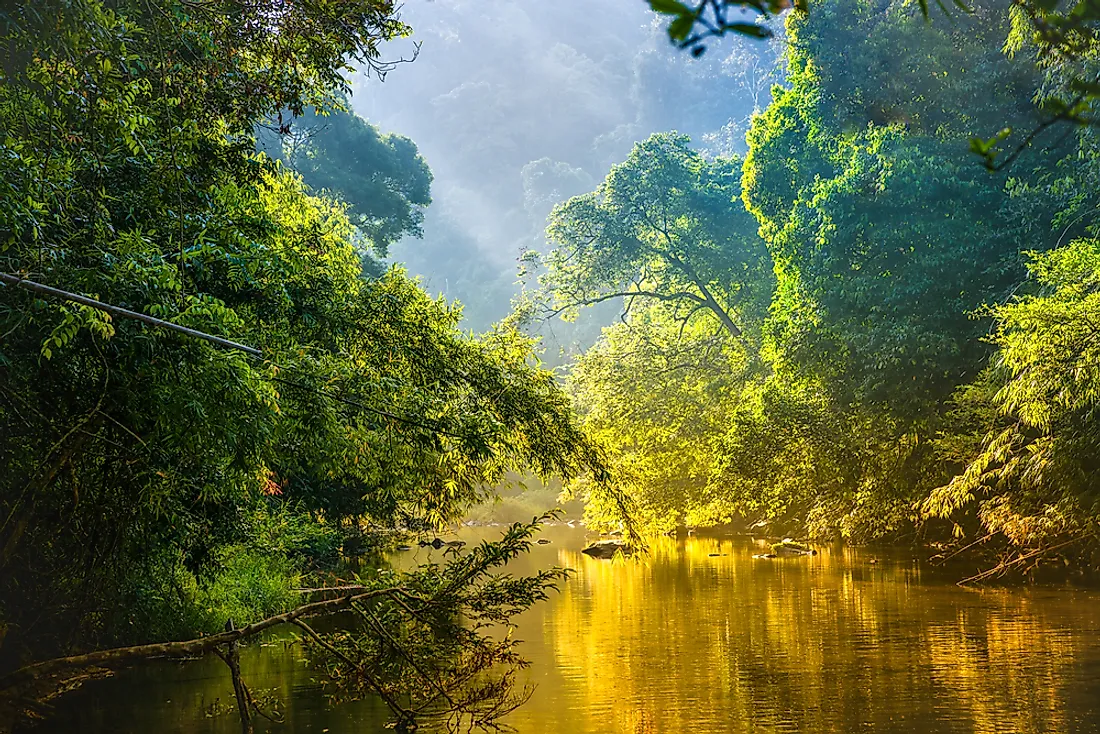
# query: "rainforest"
599,366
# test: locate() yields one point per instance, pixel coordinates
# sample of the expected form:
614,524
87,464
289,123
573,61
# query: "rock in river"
789,547
438,543
606,549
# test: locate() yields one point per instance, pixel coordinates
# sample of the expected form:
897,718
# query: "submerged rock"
607,549
438,543
781,551
789,547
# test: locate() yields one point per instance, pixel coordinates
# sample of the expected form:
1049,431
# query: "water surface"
685,641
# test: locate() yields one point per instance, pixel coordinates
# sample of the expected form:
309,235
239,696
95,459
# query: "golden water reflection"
687,641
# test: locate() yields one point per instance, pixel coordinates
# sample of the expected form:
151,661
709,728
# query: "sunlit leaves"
138,455
1033,474
665,225
382,178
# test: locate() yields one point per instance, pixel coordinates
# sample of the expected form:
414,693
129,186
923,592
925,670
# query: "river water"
849,640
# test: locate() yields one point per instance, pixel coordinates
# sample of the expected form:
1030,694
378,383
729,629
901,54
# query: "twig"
1002,567
968,546
397,708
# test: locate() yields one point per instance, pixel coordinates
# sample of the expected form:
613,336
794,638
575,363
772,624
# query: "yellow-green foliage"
894,349
1034,473
655,394
135,457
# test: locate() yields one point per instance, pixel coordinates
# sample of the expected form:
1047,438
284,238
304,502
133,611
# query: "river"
849,640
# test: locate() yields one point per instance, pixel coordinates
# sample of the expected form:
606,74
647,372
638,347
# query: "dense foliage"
154,484
915,372
382,179
852,328
666,225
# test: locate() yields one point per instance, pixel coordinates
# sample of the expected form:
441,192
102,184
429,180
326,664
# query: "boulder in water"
438,543
789,547
606,549
781,551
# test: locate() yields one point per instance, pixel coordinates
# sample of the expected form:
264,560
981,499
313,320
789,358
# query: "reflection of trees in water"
684,640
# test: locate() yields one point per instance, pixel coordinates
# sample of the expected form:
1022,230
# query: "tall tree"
384,181
664,225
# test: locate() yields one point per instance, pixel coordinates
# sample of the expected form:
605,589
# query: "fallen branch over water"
1005,566
120,657
22,691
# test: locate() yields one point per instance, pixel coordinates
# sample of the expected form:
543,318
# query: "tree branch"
120,657
679,296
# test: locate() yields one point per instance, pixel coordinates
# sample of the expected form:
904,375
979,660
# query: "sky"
517,105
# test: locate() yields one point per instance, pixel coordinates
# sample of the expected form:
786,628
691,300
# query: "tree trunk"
720,312
708,298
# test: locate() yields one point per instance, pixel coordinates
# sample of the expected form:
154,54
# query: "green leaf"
980,146
749,29
671,7
680,28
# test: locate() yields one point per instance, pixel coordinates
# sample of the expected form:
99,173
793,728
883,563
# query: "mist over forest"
516,106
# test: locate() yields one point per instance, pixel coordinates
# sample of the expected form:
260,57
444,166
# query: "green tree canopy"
665,225
1029,441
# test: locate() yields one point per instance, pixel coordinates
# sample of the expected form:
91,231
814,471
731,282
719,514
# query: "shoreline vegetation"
868,321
